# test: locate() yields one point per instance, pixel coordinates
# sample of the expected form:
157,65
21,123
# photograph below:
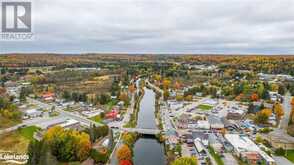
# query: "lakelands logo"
16,20
14,158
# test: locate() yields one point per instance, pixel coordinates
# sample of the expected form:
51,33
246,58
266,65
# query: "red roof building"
48,96
113,114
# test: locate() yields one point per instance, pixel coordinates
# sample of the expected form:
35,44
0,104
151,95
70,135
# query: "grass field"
290,155
28,132
17,141
97,118
6,123
204,107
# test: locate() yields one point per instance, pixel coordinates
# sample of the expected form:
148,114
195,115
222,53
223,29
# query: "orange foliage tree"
124,153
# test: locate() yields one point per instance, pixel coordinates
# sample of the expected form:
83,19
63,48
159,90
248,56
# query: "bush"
280,152
99,157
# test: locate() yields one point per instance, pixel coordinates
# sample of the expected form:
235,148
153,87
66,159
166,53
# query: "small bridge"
144,131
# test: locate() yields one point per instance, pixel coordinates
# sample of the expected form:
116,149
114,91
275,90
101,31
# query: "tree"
132,88
166,83
179,97
124,153
98,156
124,97
68,145
254,97
189,98
278,109
165,94
39,154
262,116
104,98
185,161
125,162
281,89
129,138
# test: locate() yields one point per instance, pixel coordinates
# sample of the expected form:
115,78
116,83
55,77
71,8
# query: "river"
147,150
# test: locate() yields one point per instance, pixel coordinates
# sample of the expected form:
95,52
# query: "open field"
18,140
6,123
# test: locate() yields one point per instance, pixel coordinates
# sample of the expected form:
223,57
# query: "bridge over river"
144,131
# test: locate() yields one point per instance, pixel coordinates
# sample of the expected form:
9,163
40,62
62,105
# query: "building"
70,124
215,122
32,113
112,115
90,114
247,150
235,114
48,96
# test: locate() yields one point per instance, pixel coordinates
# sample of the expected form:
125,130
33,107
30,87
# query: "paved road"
287,110
280,160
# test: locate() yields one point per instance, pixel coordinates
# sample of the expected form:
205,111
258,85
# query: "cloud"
167,26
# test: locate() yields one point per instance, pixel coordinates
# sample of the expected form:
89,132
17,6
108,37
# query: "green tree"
185,161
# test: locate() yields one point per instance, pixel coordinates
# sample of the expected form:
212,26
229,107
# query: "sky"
165,26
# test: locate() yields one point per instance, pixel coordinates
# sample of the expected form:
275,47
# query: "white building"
242,144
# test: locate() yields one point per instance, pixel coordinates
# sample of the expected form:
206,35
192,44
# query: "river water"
147,150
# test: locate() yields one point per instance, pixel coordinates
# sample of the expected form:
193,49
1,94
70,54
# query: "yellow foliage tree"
278,109
124,153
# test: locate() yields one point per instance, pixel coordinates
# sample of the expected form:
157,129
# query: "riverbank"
134,116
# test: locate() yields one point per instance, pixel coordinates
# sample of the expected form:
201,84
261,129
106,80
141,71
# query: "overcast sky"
160,26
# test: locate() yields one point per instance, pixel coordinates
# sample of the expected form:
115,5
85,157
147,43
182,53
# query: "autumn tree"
166,83
262,116
165,94
189,98
125,162
179,97
132,88
278,109
124,97
68,145
254,97
124,153
185,161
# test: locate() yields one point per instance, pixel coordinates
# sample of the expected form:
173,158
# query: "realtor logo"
16,17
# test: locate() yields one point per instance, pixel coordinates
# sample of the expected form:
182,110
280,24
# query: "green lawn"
204,107
290,155
97,119
215,156
28,132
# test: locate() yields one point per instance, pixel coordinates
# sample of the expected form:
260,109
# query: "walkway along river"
147,150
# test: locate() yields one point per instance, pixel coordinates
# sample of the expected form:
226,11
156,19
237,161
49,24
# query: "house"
48,96
203,124
112,115
32,113
70,124
215,122
235,114
90,114
246,149
202,136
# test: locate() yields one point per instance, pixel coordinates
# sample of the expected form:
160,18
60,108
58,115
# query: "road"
287,110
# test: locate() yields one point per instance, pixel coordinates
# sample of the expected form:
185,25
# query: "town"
147,109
